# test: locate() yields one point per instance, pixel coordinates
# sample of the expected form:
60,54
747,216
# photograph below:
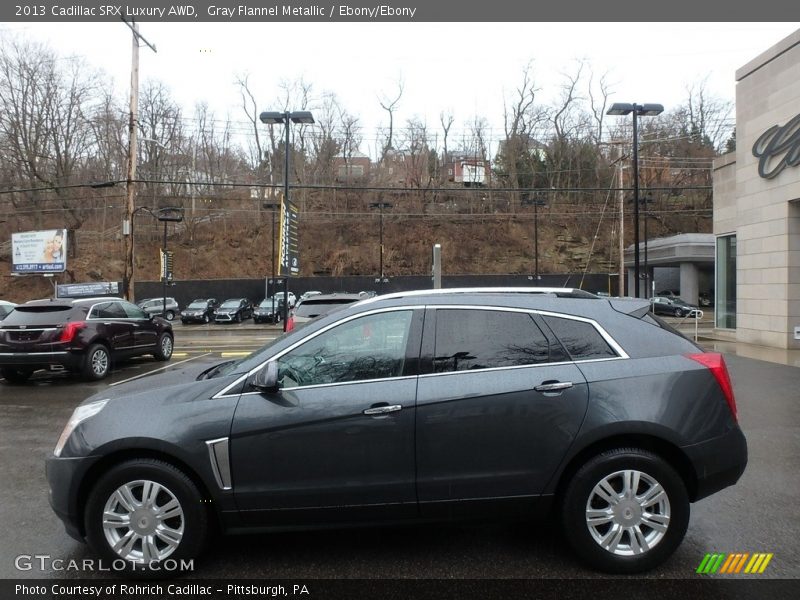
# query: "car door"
115,326
498,405
337,441
145,331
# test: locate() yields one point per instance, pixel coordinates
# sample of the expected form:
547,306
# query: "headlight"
79,415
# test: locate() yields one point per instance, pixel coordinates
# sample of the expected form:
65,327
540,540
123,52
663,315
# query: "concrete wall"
765,223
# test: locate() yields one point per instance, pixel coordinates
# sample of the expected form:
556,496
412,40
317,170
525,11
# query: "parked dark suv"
234,310
83,336
416,406
201,310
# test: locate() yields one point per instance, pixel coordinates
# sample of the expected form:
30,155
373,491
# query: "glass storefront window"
725,293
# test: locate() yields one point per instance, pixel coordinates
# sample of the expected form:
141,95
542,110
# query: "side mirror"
266,379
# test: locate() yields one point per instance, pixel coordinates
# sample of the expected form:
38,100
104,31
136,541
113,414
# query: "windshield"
197,304
312,308
268,302
230,304
243,364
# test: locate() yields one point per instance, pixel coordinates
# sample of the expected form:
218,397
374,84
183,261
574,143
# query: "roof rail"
574,292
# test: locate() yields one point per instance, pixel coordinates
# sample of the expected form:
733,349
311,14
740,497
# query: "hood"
172,383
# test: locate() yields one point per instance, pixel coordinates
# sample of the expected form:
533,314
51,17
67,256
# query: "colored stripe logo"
734,563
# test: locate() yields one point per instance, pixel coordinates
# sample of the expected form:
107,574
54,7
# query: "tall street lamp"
647,199
381,205
536,202
167,215
276,118
644,110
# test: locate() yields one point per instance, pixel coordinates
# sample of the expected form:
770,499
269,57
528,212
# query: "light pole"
275,118
536,202
167,215
644,110
381,206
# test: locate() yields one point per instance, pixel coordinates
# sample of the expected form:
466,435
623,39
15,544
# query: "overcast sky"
466,68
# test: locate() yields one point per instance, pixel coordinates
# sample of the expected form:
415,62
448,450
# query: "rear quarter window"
580,339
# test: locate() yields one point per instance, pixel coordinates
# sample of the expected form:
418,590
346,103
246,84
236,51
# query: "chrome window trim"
223,393
515,367
603,333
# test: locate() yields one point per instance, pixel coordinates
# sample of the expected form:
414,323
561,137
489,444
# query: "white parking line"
157,370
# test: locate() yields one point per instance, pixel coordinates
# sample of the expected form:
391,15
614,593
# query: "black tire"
12,375
97,364
164,347
190,517
678,312
673,508
206,318
238,317
169,315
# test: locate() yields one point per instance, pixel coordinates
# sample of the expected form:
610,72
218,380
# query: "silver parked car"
155,306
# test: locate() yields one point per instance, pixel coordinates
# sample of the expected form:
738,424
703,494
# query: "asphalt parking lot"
760,514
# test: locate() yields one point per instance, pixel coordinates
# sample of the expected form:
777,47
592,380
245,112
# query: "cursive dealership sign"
777,148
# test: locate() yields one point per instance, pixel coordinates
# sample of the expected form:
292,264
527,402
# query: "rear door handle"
382,410
553,386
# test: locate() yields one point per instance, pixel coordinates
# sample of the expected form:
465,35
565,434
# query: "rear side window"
483,339
581,340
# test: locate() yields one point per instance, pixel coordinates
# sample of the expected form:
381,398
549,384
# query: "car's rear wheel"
625,511
164,347
12,375
145,511
169,315
678,312
98,362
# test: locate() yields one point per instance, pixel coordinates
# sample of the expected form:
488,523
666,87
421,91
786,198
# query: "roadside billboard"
39,251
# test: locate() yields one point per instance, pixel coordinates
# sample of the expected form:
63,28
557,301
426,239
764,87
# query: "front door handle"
382,410
553,386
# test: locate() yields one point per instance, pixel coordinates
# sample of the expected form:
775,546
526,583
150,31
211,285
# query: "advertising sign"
88,290
39,251
288,256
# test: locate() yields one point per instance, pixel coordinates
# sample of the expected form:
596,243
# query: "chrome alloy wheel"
99,361
143,521
166,346
628,513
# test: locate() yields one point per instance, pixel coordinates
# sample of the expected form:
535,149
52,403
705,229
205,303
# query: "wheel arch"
668,451
117,457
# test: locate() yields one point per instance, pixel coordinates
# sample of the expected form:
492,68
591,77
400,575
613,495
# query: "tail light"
70,330
716,364
290,323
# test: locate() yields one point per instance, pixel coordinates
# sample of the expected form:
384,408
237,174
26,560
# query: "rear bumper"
718,463
41,360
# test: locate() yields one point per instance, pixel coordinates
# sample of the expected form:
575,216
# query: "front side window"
483,339
132,311
581,340
369,347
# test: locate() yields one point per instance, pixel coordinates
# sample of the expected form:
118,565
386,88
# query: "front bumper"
719,462
193,318
64,476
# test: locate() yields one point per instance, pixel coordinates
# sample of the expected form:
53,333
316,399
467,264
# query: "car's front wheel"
145,511
98,362
625,511
164,347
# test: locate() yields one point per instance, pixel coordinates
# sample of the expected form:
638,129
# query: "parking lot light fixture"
643,110
276,118
381,206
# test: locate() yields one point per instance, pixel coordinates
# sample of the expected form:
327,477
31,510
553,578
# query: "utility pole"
130,203
621,194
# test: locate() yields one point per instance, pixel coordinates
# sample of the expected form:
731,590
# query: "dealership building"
757,205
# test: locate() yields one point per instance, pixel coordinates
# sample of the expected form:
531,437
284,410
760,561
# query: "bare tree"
389,104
